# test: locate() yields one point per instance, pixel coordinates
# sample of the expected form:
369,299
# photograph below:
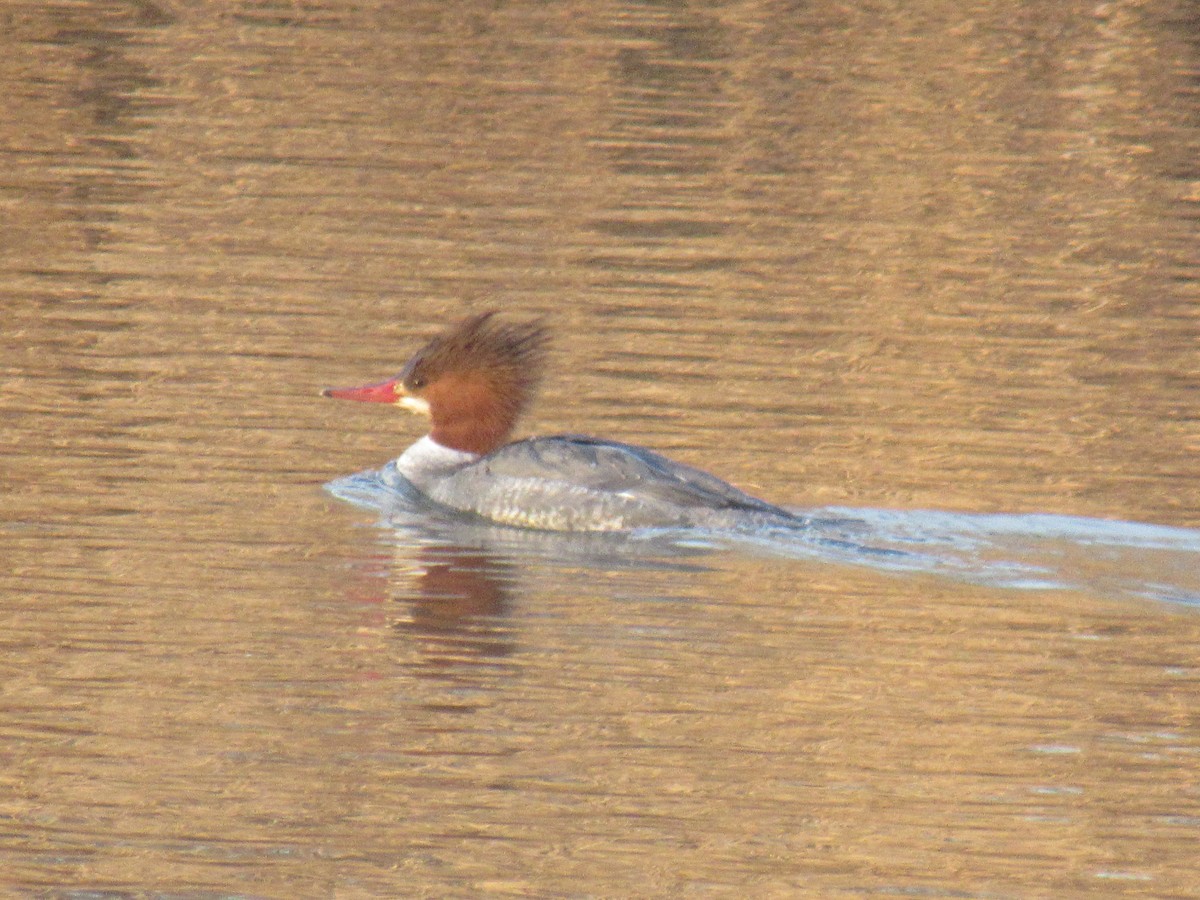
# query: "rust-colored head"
473,381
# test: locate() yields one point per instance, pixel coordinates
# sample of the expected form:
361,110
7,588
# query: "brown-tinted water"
893,256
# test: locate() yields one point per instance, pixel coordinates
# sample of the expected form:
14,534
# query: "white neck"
427,459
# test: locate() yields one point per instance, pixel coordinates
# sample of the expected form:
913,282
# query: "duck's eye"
418,382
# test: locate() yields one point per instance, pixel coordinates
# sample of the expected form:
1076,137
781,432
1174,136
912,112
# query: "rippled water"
934,270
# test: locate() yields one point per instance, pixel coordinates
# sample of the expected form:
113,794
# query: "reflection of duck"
448,585
473,382
457,600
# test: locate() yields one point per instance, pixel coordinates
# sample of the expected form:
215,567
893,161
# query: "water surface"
891,259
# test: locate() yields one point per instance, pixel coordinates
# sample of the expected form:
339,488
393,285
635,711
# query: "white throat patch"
414,404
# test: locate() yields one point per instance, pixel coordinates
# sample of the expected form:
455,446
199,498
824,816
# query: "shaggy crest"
478,378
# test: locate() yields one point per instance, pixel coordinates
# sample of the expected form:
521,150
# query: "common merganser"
473,382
